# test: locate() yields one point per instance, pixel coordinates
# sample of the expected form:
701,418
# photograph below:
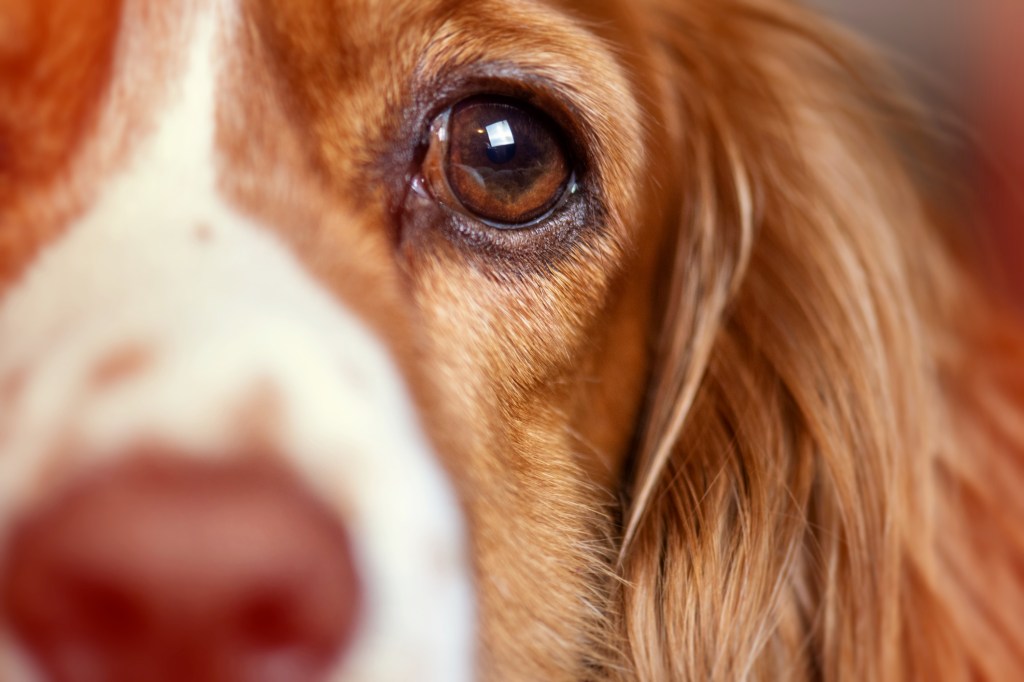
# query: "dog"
523,340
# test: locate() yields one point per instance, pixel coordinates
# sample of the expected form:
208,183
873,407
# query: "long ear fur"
829,487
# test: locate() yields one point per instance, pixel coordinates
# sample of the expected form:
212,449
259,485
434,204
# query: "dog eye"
500,161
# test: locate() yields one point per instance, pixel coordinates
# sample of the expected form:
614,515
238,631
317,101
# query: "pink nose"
161,569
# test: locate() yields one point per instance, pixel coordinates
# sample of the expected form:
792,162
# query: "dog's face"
388,340
323,333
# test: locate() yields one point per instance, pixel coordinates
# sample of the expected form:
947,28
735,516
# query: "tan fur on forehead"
82,91
55,60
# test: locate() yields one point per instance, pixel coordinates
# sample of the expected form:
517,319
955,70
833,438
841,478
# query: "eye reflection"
501,146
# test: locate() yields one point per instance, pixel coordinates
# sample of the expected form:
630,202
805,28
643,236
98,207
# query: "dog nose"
170,569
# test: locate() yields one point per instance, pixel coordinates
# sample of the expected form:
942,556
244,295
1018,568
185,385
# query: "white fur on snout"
220,320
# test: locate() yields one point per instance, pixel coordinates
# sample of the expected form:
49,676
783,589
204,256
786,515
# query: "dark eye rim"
439,131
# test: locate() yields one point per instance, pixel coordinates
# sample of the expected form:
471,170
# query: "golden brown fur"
758,419
817,495
813,481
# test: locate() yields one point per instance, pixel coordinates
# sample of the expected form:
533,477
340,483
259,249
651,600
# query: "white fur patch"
223,317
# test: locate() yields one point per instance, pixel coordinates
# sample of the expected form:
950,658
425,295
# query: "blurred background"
966,60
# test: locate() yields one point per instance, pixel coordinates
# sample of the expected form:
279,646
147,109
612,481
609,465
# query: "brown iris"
503,162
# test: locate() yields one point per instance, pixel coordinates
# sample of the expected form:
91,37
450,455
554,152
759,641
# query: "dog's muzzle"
210,469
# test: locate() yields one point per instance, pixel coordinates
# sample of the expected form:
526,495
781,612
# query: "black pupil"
505,161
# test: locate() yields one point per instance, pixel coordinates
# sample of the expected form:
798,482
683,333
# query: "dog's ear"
778,520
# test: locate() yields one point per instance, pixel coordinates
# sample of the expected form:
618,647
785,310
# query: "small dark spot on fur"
124,363
203,233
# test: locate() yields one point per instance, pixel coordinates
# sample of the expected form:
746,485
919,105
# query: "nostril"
102,612
164,570
271,621
276,639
